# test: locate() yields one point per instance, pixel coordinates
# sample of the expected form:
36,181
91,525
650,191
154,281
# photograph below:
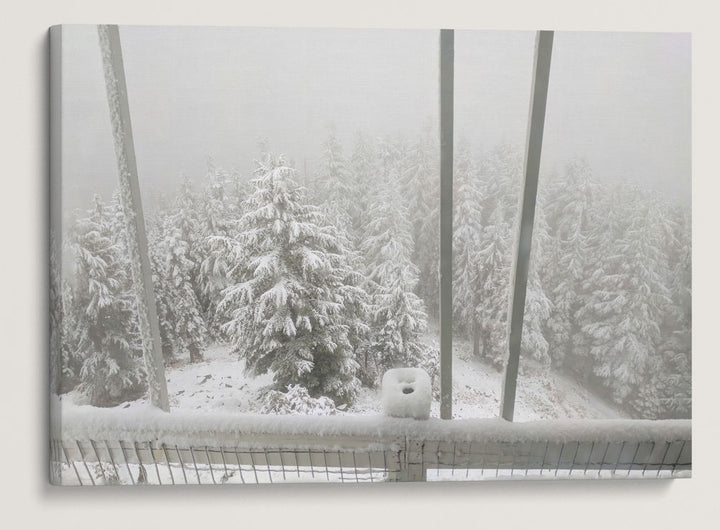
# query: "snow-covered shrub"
430,362
297,400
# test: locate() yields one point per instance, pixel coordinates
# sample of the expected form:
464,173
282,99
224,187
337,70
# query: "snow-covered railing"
115,446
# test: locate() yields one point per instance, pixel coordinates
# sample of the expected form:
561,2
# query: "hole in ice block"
406,393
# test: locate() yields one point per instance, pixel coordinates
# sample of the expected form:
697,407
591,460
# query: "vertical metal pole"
447,59
533,148
130,198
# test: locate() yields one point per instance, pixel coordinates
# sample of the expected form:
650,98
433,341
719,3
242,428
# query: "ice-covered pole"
533,148
132,208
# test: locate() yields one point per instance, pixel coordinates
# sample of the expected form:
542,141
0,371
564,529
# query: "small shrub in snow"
430,363
297,400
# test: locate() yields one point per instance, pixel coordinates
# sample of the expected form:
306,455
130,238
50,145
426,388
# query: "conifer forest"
322,280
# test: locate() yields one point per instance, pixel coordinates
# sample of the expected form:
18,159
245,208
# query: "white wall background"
29,502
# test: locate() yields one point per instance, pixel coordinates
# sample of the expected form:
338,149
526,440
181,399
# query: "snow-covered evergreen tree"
220,211
493,292
163,295
537,304
665,389
289,298
675,374
365,175
398,313
537,311
103,311
467,231
182,325
175,252
502,173
334,183
570,217
71,356
622,315
420,186
188,233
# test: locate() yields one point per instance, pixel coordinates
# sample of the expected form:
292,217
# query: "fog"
622,101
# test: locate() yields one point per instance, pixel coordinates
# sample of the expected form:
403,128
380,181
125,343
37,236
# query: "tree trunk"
476,339
195,355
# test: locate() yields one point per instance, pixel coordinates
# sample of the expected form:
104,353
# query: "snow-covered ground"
219,383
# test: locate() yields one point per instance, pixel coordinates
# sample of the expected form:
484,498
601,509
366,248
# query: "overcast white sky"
622,100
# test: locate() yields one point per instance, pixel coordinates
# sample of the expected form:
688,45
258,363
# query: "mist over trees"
329,284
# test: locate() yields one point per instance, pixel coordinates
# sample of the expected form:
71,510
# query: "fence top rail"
152,424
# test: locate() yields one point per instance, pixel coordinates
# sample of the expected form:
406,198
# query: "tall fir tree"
467,231
365,176
537,304
104,312
676,372
502,172
182,325
187,227
71,356
494,285
570,216
333,184
420,185
289,298
622,315
164,292
219,213
399,315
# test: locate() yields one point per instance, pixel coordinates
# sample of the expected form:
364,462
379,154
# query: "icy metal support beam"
447,58
132,207
533,149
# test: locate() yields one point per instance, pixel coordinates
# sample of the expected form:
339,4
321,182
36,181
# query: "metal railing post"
132,207
447,58
538,101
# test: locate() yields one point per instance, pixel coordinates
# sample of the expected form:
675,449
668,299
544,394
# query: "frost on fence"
157,448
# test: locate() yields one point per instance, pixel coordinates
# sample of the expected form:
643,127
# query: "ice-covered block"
406,393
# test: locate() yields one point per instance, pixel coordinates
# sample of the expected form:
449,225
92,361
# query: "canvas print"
364,255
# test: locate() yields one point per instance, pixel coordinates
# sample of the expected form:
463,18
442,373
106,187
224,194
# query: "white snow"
406,393
213,401
177,427
219,384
